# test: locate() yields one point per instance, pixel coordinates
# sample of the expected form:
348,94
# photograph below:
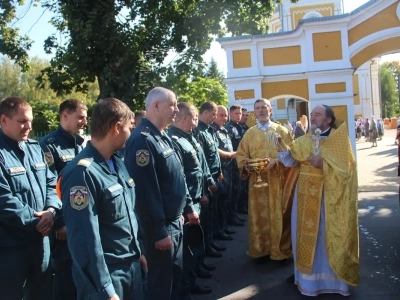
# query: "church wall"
385,19
325,61
298,12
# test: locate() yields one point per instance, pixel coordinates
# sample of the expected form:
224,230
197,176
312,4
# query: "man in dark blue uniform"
235,133
60,147
205,135
103,233
196,173
28,206
161,193
227,156
244,184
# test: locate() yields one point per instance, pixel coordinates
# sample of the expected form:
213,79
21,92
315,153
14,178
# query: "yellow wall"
241,59
340,114
356,90
282,56
244,94
297,13
295,87
281,103
387,18
327,46
335,87
377,49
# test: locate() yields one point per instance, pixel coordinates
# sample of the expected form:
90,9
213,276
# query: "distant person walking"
373,132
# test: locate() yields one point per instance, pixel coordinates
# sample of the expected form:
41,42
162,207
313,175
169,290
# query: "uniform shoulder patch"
145,131
49,140
142,157
49,158
84,162
78,197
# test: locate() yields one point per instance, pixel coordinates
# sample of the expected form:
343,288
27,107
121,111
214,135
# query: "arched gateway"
317,61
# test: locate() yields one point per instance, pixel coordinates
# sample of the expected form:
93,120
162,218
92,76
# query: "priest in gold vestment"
325,234
269,207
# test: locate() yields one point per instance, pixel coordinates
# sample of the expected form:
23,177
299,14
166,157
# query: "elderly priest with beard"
324,215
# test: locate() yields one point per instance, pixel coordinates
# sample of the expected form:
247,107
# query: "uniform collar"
202,125
99,158
217,127
13,144
180,132
146,123
76,139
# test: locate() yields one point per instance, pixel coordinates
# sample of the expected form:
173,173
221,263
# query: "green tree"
9,78
123,43
203,89
14,82
389,92
213,71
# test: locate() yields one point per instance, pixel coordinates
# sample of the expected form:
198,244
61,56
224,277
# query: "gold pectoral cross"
317,137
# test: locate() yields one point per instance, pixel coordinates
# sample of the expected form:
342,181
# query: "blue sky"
35,23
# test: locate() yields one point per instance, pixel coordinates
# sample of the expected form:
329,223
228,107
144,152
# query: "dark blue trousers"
64,287
165,267
26,272
126,279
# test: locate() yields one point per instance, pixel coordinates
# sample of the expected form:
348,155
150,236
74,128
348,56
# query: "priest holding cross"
324,225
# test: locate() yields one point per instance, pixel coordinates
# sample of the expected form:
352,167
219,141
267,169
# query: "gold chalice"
257,165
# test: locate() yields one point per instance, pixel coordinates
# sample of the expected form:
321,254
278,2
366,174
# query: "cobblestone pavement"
238,277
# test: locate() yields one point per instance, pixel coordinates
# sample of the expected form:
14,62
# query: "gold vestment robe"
269,207
338,183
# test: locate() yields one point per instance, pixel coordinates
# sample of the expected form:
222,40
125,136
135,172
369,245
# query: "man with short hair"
269,206
228,164
197,174
161,192
139,115
325,234
243,120
28,206
60,147
235,133
243,201
205,135
103,233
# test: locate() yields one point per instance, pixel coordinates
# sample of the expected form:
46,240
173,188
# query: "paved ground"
237,277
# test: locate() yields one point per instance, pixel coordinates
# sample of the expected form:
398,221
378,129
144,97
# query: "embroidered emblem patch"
49,158
142,158
78,197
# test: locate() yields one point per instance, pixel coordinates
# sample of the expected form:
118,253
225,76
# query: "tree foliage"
44,101
388,74
205,84
123,43
213,71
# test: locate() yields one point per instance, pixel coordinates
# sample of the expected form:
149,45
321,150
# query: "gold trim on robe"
337,184
269,207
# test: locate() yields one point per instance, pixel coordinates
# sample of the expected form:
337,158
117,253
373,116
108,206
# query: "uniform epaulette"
49,140
32,141
85,162
175,137
145,131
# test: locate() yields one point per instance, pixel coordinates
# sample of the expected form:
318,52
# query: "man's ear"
117,127
64,115
2,119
